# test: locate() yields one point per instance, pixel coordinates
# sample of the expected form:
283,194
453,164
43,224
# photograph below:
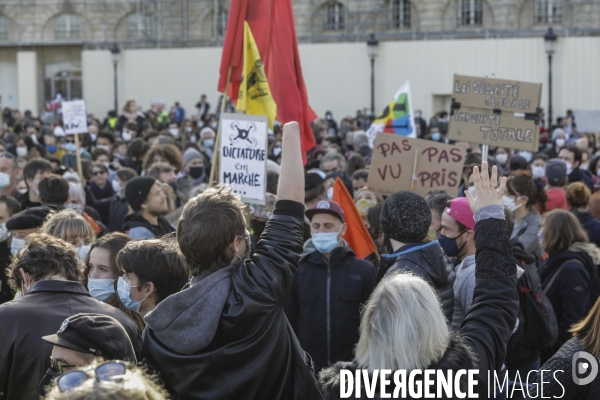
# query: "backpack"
541,326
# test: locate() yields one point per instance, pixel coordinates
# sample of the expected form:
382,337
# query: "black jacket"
490,320
5,259
584,176
591,226
560,385
569,292
430,263
114,209
519,352
134,220
324,306
24,356
23,199
252,353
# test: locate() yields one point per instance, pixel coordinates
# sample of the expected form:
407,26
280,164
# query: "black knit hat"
137,190
405,217
28,219
96,334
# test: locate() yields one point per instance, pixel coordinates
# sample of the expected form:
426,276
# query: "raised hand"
291,178
487,191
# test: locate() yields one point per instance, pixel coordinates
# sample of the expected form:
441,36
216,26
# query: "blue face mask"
101,289
449,245
209,143
124,290
436,136
51,149
526,155
70,147
325,242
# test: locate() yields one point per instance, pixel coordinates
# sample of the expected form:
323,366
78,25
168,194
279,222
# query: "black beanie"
137,190
405,217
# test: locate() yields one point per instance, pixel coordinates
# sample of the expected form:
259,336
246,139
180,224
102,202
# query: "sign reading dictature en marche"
495,112
243,155
393,167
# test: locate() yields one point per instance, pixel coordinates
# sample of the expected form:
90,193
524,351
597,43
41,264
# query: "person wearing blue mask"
328,289
154,270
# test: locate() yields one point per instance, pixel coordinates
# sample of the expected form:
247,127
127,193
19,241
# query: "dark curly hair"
42,257
167,151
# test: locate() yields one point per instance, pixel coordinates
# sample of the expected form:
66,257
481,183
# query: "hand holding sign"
487,192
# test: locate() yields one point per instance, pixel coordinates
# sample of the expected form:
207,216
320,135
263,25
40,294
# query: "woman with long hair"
586,338
403,326
578,198
102,273
568,272
522,196
130,114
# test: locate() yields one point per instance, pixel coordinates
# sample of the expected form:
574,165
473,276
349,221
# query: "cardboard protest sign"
587,121
74,117
495,112
243,155
438,166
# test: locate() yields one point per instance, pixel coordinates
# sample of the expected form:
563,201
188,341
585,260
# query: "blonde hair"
68,225
588,330
402,325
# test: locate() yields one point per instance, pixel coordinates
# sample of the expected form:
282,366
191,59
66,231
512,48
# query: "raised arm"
291,178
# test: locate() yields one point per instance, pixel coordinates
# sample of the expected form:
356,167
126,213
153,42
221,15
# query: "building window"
67,26
4,27
471,12
548,12
63,78
401,13
334,17
140,26
221,22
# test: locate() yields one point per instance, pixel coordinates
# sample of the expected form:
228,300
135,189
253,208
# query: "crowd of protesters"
138,279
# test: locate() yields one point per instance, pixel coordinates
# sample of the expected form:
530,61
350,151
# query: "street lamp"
372,47
115,54
550,44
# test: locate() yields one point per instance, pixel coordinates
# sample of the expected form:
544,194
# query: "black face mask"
196,172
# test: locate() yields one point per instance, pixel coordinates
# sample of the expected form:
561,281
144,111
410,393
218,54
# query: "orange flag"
357,235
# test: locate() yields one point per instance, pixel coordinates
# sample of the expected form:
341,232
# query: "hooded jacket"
569,294
227,336
139,228
324,305
430,263
481,342
591,226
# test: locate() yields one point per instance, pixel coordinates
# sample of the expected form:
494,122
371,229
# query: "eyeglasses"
7,155
59,366
95,173
111,371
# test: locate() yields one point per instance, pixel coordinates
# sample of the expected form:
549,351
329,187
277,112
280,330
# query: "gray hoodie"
464,285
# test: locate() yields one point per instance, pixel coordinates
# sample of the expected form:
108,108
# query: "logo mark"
580,368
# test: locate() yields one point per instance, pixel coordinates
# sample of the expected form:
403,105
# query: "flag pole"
78,157
215,165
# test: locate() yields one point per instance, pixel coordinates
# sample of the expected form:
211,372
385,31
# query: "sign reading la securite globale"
495,112
74,117
243,155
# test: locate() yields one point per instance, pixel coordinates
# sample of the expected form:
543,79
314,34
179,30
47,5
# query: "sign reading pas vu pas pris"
495,112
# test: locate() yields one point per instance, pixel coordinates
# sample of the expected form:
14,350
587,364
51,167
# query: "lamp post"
550,44
115,54
372,47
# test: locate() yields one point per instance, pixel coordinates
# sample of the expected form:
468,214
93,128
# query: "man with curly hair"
47,271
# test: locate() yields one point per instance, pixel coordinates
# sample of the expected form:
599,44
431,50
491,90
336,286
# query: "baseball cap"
96,334
460,210
556,172
326,207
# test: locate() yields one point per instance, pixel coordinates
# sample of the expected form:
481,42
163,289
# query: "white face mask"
83,250
116,186
538,172
560,142
584,167
22,151
502,158
103,146
174,131
4,180
330,193
4,233
510,203
126,136
16,245
569,167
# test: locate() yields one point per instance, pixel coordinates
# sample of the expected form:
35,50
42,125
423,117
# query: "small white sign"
243,155
587,121
74,117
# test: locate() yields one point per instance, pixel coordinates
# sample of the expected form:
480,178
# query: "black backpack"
541,326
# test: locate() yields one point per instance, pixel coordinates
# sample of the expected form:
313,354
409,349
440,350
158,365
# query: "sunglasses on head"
111,371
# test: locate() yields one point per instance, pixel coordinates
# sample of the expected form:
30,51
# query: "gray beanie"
558,132
405,217
191,154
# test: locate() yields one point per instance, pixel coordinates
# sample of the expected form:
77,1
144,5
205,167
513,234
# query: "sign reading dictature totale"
495,112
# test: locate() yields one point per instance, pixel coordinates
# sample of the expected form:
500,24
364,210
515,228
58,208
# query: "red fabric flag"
357,235
282,66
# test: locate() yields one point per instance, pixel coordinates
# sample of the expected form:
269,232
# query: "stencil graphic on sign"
439,166
495,112
243,158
